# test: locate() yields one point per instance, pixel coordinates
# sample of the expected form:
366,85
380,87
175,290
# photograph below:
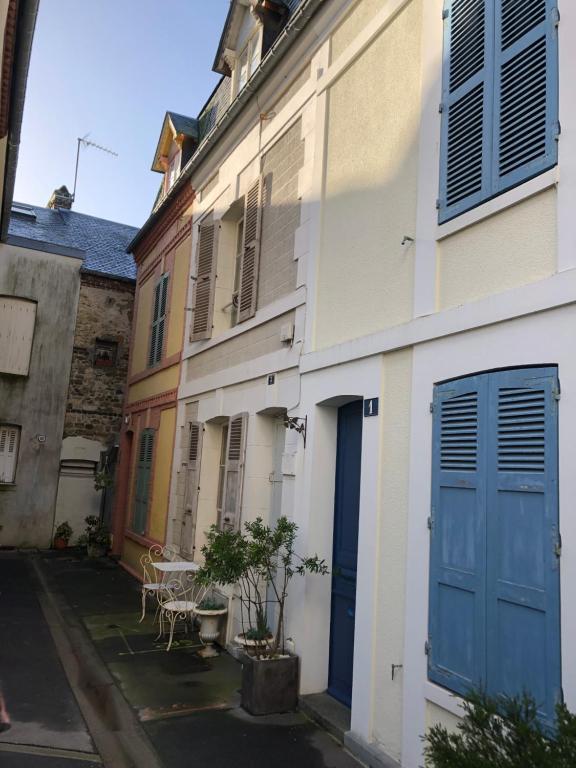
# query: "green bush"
503,733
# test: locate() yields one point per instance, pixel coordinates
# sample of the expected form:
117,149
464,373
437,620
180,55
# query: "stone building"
99,362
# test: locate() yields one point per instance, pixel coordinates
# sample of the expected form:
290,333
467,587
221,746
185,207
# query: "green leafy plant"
63,531
503,733
262,561
96,532
102,480
209,604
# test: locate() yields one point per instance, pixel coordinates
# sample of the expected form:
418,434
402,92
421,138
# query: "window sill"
7,487
444,698
500,203
277,308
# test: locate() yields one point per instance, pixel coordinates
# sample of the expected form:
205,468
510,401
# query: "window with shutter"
494,572
158,320
142,481
499,98
192,487
248,286
9,444
231,504
17,321
203,302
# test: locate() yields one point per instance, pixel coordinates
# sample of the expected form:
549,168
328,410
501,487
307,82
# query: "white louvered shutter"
9,440
203,303
248,290
234,474
191,487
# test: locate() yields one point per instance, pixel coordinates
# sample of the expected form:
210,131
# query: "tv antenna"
85,142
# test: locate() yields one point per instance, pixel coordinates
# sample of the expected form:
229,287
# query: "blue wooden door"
345,552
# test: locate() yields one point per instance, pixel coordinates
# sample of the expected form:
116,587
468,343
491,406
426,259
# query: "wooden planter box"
269,686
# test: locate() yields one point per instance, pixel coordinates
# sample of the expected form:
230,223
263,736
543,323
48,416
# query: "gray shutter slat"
234,476
203,304
247,294
192,487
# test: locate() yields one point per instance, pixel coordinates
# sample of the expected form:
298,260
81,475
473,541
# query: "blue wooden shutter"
143,472
457,619
467,97
526,91
523,582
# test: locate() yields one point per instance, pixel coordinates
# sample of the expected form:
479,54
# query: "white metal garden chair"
150,583
177,602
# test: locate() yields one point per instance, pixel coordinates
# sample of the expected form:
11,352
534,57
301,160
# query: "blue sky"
112,68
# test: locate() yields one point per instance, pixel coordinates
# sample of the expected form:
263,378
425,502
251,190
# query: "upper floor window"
17,320
499,98
172,170
105,353
158,320
243,250
9,444
248,60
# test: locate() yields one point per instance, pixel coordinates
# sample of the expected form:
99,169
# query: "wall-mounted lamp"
407,239
297,423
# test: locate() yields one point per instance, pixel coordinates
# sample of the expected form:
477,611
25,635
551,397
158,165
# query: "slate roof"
182,124
104,242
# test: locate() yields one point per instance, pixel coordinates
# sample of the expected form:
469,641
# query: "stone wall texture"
96,394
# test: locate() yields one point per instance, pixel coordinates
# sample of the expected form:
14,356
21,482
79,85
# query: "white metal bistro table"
167,567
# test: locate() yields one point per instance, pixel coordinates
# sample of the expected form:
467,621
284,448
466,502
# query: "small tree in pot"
262,561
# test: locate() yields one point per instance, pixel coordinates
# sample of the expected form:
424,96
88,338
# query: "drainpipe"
27,14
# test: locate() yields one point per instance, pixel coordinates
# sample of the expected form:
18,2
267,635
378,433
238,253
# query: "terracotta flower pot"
60,543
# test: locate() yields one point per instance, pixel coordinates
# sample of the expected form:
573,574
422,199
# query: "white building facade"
409,291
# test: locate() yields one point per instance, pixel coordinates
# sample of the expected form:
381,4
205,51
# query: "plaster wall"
163,380
179,290
37,402
365,276
160,491
77,497
514,247
361,14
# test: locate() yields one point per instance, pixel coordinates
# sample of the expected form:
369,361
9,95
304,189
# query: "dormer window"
248,60
172,168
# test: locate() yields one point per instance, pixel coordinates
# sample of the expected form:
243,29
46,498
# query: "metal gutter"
290,32
27,15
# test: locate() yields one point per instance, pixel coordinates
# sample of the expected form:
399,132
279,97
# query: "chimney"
61,198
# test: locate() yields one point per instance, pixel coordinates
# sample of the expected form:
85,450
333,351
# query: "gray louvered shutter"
158,320
9,439
234,475
526,91
192,487
203,304
465,150
143,474
248,290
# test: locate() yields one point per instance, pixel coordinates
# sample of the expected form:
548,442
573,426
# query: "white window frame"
10,435
253,44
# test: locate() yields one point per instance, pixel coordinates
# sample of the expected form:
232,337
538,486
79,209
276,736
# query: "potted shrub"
503,732
209,612
262,561
97,537
62,535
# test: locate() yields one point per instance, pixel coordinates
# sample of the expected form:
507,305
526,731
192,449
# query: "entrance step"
333,716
